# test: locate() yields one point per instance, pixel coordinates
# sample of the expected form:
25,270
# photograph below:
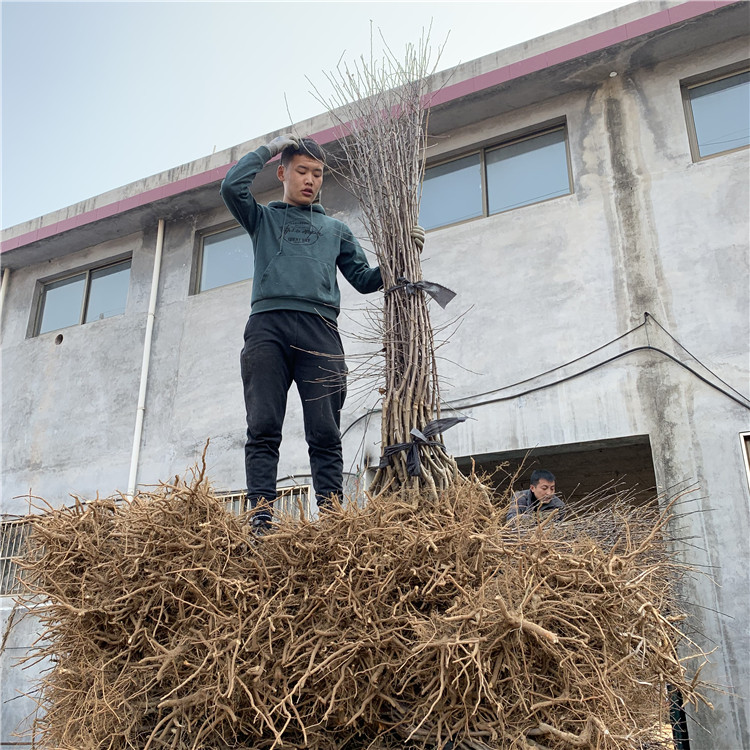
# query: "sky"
96,95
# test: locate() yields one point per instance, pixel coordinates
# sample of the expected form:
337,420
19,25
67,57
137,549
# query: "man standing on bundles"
291,334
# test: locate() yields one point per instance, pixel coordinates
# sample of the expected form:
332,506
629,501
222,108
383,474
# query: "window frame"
200,237
511,139
536,134
693,82
86,271
482,177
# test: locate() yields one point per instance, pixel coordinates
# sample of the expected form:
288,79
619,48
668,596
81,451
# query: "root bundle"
410,622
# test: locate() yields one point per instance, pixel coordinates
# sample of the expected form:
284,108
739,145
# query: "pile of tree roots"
411,621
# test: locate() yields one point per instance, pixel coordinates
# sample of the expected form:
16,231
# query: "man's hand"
417,234
279,143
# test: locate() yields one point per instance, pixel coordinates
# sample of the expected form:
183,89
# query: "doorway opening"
580,469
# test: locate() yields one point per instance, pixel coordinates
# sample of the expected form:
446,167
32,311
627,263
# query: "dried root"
410,622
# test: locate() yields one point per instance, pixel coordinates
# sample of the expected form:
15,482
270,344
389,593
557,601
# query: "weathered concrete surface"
645,230
16,681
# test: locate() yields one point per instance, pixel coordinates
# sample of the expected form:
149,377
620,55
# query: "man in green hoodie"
291,334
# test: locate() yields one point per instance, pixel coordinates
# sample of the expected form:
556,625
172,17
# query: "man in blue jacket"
291,334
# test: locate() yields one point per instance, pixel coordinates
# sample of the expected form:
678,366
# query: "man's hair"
539,474
307,147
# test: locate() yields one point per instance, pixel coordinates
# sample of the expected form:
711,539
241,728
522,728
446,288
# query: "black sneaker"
262,526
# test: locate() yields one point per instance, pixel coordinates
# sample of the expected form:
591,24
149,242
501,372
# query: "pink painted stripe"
567,52
111,209
576,49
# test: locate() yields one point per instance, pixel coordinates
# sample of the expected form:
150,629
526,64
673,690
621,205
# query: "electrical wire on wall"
498,395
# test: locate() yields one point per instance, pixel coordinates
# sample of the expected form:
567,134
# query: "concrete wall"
18,680
645,230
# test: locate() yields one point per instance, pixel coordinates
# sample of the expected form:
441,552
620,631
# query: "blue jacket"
297,249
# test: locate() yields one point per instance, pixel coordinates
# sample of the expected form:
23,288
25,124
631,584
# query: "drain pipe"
138,434
3,290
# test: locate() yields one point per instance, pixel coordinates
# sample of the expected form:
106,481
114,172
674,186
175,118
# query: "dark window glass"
451,192
62,302
227,257
721,113
108,291
527,172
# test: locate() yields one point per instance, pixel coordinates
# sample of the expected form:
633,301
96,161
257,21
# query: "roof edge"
596,42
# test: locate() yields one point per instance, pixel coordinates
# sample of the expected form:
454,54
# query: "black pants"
282,347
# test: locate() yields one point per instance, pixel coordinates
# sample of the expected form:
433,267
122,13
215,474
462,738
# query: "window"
13,535
224,257
91,295
718,114
517,173
451,192
527,172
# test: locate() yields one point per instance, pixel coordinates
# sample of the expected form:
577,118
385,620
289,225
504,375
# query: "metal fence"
290,501
13,535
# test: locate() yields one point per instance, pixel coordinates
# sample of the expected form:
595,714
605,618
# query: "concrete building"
587,199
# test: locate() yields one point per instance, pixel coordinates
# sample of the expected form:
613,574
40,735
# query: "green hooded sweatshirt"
296,248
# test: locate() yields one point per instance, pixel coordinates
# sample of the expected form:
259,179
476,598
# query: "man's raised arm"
235,189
